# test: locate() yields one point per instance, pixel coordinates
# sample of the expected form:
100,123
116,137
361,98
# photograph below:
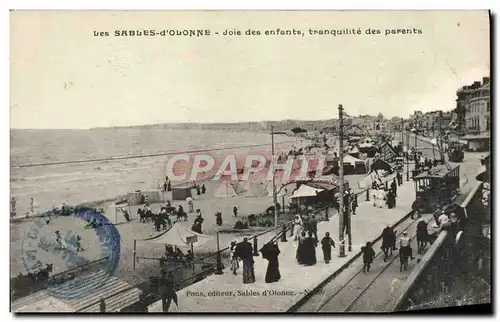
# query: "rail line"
363,291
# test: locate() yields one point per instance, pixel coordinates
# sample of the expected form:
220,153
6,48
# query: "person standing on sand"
218,219
235,211
13,207
32,205
203,189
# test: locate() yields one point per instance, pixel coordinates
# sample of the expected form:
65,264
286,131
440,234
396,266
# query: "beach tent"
256,185
305,191
119,206
352,160
239,187
380,164
179,235
225,190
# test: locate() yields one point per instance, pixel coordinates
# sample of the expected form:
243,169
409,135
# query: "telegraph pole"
341,183
408,157
418,124
274,179
441,136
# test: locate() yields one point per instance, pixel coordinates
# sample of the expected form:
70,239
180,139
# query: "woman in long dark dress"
270,252
326,245
300,249
309,250
244,250
218,219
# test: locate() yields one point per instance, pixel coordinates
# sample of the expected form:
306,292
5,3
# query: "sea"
75,183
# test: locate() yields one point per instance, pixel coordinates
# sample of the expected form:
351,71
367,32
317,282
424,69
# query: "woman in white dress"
297,226
382,197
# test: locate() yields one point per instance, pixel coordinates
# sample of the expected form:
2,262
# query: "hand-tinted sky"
64,77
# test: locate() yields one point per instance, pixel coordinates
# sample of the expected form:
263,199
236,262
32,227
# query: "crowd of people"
383,196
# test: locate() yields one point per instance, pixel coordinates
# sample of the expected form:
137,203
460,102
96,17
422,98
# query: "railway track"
346,294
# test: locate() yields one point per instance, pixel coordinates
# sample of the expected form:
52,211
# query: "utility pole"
408,157
441,136
341,183
274,179
416,142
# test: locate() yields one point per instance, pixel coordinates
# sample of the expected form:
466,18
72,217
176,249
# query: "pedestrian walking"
297,227
270,251
313,226
244,250
354,204
326,245
415,207
234,259
309,250
394,187
368,256
400,178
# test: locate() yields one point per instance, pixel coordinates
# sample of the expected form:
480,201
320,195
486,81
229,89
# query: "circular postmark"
44,243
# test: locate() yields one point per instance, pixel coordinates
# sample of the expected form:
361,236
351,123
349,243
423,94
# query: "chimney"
486,80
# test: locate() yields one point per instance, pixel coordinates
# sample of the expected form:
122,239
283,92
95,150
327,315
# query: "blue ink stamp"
67,245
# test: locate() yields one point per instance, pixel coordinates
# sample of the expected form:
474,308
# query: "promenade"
227,293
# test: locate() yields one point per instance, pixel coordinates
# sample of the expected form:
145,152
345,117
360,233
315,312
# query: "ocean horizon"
74,183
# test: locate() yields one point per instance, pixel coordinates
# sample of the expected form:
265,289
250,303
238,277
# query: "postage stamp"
37,247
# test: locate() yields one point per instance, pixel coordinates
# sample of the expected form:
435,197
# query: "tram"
438,186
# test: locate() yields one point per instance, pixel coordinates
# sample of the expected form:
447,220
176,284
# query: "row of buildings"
469,122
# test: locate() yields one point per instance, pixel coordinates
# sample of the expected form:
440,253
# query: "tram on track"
438,186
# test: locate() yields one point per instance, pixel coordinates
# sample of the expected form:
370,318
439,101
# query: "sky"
62,76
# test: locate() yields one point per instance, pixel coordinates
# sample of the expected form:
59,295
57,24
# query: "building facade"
473,108
473,114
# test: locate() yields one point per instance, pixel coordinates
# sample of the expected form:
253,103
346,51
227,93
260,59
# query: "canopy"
352,160
225,190
305,191
179,235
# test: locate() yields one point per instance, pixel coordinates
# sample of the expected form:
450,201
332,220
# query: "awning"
306,191
179,235
352,160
